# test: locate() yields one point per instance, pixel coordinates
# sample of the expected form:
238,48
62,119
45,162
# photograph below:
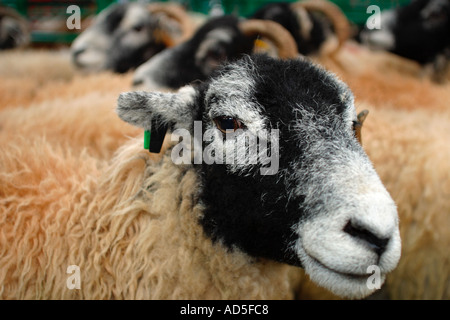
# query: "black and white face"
217,41
316,202
120,39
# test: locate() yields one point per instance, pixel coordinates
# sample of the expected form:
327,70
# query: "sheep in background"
125,35
14,29
120,225
220,39
418,31
314,25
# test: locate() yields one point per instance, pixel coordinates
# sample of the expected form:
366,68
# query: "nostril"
137,82
77,52
375,243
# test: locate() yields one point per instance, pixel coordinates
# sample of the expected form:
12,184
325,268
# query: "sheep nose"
77,52
363,233
138,82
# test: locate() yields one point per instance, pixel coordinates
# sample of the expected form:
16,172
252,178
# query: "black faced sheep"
145,227
14,29
419,31
125,35
311,23
224,38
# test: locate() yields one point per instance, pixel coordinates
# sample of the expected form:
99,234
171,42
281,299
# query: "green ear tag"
147,135
153,142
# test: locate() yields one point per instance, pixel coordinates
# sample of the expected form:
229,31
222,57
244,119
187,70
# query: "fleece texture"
131,228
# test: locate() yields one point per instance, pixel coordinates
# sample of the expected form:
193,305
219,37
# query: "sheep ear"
147,109
155,112
357,125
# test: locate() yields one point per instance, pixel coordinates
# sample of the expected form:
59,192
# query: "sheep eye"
227,124
217,54
138,27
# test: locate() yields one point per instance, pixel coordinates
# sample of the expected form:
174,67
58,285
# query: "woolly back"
132,231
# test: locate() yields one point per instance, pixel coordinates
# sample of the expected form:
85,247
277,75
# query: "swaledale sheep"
75,112
220,39
314,24
70,106
144,227
125,35
419,31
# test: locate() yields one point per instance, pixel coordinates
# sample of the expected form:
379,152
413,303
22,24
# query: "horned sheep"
292,29
125,35
144,227
220,39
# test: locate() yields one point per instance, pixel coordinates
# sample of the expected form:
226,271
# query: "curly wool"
131,229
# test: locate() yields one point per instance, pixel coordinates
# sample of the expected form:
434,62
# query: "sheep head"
221,39
283,174
125,35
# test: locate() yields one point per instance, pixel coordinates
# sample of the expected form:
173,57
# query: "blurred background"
48,18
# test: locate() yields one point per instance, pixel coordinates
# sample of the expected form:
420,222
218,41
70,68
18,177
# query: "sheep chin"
355,271
90,60
345,264
346,285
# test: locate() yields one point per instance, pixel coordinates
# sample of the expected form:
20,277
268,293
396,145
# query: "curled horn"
332,11
286,46
9,12
177,13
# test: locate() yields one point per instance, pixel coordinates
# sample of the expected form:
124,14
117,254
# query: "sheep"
404,111
223,38
418,31
304,20
141,226
14,29
125,35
